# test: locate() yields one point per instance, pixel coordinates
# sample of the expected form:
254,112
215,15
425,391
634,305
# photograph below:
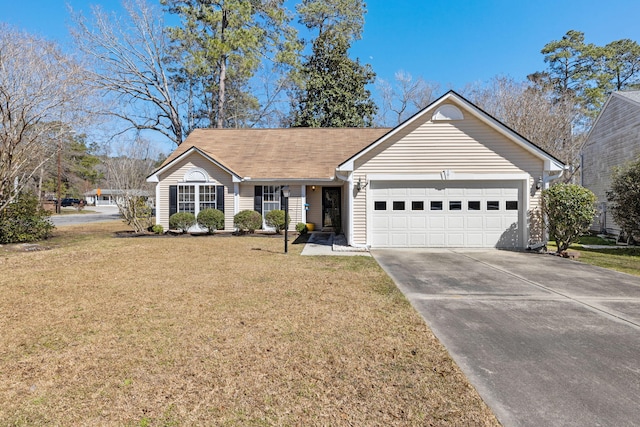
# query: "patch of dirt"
25,247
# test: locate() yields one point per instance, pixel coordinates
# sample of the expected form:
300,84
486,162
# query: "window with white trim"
207,197
196,197
270,198
187,198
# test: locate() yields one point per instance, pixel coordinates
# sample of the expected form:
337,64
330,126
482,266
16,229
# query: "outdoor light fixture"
286,192
313,188
539,183
359,185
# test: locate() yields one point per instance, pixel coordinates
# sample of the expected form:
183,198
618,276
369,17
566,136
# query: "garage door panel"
455,239
418,223
436,239
455,223
475,222
494,223
466,222
398,223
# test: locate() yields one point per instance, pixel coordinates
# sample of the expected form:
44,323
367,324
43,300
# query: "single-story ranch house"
450,176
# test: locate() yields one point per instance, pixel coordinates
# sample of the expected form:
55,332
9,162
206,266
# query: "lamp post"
286,192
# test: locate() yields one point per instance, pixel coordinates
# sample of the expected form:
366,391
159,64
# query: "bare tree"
129,55
537,114
41,90
404,97
128,167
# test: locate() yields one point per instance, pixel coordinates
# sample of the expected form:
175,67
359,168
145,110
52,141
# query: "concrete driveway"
546,341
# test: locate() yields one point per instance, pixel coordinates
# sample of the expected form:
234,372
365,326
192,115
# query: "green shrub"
275,219
624,197
301,228
24,220
569,209
182,221
158,229
248,221
211,219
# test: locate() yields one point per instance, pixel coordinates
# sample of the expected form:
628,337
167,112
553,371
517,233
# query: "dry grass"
215,331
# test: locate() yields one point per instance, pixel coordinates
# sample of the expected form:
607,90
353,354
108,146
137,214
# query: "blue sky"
453,43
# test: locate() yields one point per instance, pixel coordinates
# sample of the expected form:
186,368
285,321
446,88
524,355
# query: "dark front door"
331,197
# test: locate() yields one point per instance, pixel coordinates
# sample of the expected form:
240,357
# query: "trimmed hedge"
182,221
211,219
248,221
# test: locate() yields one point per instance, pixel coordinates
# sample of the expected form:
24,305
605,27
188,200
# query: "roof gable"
630,97
444,109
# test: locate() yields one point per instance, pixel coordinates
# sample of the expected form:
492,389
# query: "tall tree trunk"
223,75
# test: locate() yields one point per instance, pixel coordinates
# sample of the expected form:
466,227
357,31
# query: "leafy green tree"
618,65
587,72
333,88
344,17
624,198
222,44
568,67
569,211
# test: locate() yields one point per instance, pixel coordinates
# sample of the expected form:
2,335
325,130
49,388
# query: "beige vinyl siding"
176,175
466,146
247,192
614,140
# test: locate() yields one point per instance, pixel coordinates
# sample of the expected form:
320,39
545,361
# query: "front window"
270,198
187,198
207,197
195,197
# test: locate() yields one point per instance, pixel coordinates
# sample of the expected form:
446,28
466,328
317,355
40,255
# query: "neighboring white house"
450,176
613,141
106,197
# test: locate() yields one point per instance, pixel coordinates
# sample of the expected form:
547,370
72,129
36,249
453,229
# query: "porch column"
303,201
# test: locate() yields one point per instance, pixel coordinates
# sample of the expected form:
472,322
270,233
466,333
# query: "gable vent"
447,112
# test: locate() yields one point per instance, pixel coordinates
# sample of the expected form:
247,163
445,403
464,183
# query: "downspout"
157,203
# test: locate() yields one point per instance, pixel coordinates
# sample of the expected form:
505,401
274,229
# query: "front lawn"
624,259
146,331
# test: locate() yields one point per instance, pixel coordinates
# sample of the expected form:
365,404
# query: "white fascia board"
453,177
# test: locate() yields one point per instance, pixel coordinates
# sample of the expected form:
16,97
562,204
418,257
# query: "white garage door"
445,214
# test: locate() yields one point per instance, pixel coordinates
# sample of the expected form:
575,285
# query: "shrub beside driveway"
215,331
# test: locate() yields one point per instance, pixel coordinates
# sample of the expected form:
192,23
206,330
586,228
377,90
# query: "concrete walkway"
327,243
546,341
